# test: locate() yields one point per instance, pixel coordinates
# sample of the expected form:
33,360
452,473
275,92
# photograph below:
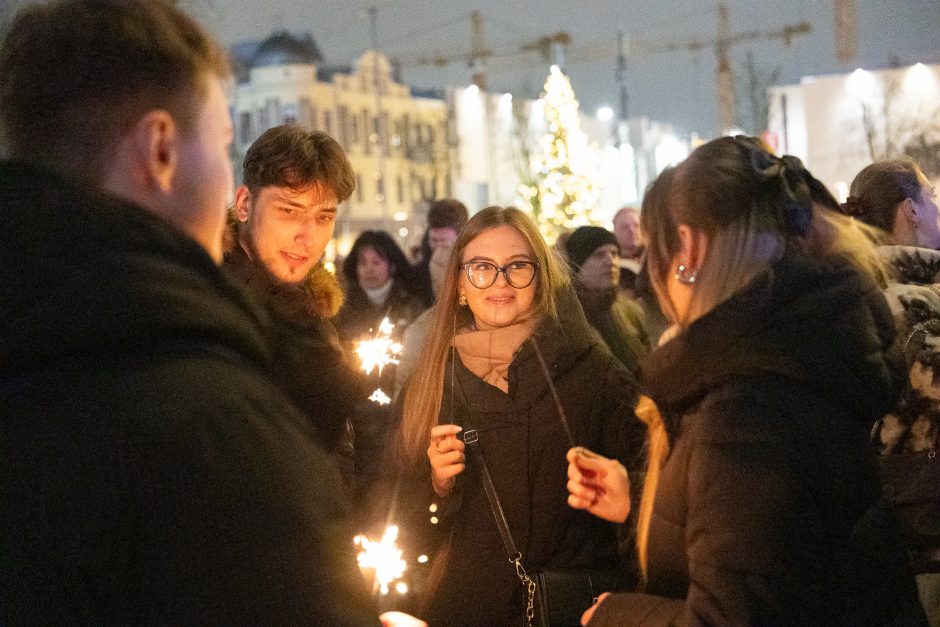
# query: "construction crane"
722,45
553,48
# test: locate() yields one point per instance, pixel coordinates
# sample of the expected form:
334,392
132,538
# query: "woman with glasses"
511,357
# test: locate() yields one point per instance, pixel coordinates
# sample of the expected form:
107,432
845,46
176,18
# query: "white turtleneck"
379,295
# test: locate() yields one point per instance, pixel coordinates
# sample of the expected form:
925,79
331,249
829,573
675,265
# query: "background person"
594,253
503,292
627,231
762,503
445,219
152,473
377,277
895,195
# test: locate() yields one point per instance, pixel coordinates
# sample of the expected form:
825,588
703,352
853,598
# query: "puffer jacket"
769,509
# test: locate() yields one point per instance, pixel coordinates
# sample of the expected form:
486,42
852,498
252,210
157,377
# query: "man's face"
441,236
203,178
286,230
627,230
600,270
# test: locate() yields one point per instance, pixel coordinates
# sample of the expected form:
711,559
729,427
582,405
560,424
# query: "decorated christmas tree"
561,191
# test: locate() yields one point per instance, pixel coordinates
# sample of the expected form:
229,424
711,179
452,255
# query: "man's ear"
242,203
156,149
693,246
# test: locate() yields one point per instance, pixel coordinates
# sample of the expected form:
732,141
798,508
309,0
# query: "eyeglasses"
519,274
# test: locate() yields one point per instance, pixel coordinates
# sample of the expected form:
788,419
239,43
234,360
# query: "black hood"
86,277
821,325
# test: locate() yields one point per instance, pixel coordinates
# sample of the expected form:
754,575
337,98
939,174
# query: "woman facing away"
897,198
508,340
762,504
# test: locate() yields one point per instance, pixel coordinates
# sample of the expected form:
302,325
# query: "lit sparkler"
384,558
380,397
379,351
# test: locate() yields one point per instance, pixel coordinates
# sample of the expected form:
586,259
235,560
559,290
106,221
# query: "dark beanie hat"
584,241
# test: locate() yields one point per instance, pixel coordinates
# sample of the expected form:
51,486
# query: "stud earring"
684,276
462,300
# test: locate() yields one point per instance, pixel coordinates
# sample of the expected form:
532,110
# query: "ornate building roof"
282,48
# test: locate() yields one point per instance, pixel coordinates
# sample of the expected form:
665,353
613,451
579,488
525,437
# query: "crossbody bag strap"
471,438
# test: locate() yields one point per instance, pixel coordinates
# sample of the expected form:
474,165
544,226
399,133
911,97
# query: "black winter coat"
524,441
319,376
150,471
768,510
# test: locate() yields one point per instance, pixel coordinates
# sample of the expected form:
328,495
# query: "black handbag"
554,598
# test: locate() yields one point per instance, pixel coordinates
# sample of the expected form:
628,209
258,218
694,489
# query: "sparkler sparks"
380,397
379,351
384,558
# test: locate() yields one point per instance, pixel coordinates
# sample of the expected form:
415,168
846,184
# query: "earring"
462,300
682,277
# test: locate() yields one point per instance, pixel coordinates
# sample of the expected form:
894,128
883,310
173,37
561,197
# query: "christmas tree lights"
562,191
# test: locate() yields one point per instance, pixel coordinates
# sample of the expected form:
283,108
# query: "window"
289,113
341,123
308,115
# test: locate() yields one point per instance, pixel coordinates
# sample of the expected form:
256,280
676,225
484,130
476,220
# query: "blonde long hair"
422,400
751,206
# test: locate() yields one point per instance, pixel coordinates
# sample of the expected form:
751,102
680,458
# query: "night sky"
673,87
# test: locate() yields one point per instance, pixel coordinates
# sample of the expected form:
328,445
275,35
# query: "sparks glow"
380,397
379,351
382,557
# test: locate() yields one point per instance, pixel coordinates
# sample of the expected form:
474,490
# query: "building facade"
838,124
399,143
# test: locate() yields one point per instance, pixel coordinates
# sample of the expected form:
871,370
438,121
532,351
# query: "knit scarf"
487,354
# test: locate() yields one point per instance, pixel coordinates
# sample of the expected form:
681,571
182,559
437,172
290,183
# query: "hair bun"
852,207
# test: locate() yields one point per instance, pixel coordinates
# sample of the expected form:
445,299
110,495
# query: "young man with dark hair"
151,472
284,217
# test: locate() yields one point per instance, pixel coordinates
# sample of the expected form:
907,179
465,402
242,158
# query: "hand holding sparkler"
400,619
446,454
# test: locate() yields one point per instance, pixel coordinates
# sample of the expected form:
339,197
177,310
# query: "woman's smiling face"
500,304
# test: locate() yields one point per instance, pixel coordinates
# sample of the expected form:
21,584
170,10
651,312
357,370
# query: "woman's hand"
597,484
589,612
446,454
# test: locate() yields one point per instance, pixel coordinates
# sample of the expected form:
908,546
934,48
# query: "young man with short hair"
284,216
152,472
